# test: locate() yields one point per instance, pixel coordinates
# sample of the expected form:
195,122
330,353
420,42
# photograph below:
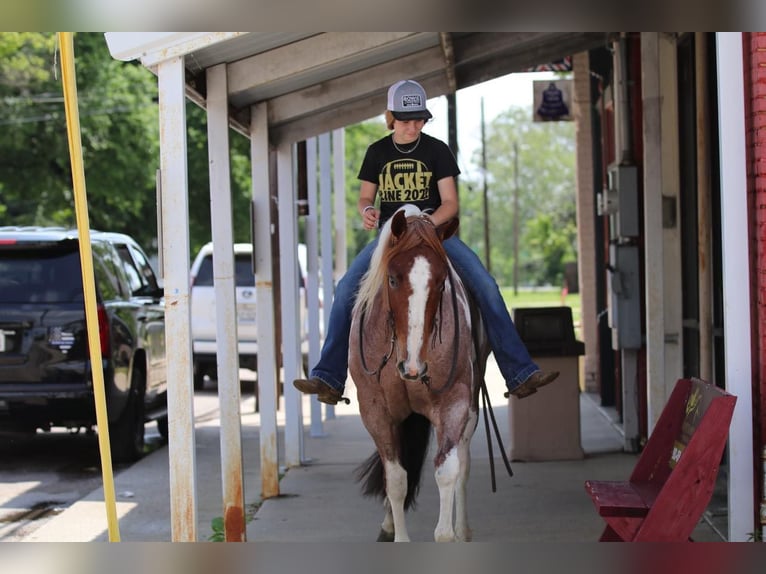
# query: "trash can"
546,425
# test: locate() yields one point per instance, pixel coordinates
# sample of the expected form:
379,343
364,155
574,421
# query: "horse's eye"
392,282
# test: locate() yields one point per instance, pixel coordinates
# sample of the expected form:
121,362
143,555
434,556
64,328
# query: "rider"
409,166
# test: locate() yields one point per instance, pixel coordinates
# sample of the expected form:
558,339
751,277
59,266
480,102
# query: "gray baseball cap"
407,101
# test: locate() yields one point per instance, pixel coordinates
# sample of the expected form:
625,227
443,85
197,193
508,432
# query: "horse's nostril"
407,374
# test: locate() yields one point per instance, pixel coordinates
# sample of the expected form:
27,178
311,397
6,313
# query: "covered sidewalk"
321,502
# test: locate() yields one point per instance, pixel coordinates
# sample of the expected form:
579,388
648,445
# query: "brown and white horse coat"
416,366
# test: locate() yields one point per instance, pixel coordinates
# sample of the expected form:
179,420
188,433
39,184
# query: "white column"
225,300
325,194
175,247
264,299
673,295
339,188
586,221
736,281
312,279
654,303
288,270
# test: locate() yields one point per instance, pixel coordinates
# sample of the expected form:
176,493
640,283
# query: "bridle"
425,379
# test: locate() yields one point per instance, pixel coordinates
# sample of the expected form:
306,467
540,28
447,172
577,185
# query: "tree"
547,210
118,108
200,229
119,131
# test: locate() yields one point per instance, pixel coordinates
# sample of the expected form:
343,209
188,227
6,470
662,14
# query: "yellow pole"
66,45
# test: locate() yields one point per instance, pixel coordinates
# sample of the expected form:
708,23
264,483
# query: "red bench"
673,480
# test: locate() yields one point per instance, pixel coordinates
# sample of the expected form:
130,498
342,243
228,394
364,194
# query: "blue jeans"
511,355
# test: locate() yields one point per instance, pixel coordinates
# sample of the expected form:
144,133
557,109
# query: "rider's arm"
367,192
449,207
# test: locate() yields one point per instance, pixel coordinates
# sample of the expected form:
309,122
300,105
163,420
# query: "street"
42,474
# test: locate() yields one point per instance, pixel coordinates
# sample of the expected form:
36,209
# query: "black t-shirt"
407,177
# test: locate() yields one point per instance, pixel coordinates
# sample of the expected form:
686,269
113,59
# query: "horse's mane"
420,231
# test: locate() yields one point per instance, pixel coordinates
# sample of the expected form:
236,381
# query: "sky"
499,95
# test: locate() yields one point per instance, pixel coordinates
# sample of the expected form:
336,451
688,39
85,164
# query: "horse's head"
417,271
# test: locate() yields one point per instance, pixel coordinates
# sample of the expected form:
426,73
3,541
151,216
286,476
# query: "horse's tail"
415,436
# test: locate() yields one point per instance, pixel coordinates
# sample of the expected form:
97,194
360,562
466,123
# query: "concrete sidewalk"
321,502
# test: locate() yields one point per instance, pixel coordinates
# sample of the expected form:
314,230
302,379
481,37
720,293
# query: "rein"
387,356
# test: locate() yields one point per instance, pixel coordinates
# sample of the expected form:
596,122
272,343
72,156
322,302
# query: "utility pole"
515,218
452,136
486,201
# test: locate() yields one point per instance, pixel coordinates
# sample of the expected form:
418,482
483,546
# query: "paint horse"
412,308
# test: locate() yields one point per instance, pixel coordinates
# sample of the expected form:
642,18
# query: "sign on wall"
552,100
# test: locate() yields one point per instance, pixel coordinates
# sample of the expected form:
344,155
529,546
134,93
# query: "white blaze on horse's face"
420,275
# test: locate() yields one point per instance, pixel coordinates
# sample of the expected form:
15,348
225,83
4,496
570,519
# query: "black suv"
45,370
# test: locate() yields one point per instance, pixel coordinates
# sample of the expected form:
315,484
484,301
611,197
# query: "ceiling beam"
255,78
339,94
364,108
445,39
483,57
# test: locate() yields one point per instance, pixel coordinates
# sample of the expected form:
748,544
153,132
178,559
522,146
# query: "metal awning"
317,82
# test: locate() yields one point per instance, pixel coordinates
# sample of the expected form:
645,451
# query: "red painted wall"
754,51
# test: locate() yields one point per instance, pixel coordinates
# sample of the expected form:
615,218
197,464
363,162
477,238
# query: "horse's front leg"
447,470
396,491
462,529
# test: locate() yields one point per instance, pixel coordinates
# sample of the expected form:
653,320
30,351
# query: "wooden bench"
673,480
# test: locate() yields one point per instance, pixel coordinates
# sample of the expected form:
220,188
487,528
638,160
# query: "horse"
412,307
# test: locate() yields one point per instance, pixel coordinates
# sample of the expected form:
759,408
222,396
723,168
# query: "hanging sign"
552,100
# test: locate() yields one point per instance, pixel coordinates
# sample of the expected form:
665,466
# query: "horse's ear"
398,224
448,229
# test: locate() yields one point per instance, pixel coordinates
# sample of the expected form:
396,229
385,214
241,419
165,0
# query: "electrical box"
624,297
622,194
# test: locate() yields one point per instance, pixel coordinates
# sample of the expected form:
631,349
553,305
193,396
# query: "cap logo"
407,101
412,101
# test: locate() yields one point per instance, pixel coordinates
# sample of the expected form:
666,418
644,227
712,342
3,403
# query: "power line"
57,116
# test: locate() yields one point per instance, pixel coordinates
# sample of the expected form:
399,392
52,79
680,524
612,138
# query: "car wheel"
127,433
162,427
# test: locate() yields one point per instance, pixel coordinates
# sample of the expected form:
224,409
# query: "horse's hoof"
384,536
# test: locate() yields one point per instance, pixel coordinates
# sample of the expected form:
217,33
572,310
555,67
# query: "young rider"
408,166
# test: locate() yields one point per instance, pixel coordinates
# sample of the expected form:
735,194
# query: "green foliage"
200,229
551,240
217,526
218,534
119,134
117,104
